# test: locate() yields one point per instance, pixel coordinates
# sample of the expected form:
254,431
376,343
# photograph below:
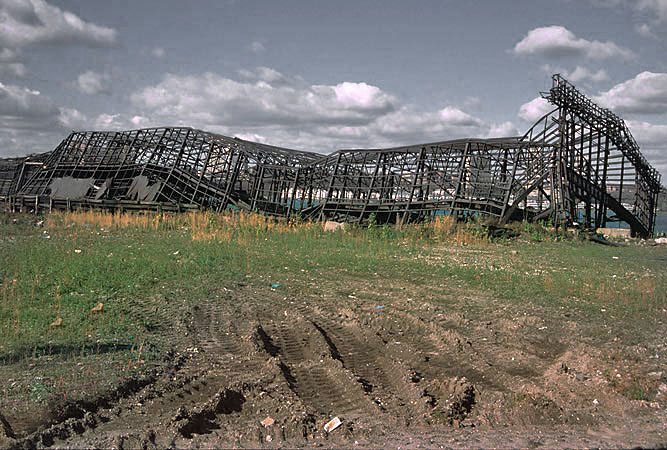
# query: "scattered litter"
77,250
268,421
275,286
379,307
269,438
351,296
542,328
176,252
603,310
99,308
595,401
57,323
614,257
332,424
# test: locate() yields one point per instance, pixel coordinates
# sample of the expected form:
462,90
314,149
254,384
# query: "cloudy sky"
322,75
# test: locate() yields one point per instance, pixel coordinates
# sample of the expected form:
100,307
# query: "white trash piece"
332,424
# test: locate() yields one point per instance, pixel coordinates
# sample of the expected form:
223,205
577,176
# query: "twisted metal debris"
577,164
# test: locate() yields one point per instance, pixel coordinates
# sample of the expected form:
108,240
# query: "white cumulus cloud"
267,106
140,122
535,109
580,74
360,96
91,83
583,74
210,99
29,22
644,94
455,116
648,134
253,137
17,101
651,139
72,119
504,129
557,42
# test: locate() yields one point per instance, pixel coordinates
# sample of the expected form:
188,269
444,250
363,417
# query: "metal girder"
576,164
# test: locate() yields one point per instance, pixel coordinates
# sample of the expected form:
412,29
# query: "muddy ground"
402,372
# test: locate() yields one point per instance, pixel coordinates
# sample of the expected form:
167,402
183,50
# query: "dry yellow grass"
108,220
444,225
242,226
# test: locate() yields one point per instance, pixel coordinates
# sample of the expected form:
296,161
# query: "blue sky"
323,75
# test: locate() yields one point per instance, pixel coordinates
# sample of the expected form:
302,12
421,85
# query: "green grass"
132,265
636,392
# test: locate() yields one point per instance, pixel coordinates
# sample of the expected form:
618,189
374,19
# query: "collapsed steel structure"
577,164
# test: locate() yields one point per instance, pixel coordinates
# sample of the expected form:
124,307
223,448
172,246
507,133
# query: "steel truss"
579,163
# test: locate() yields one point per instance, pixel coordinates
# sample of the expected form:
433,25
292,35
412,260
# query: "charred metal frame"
573,166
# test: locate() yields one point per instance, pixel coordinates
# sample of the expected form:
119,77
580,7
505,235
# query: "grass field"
73,261
149,271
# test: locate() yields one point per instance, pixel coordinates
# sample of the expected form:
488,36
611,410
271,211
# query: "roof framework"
579,163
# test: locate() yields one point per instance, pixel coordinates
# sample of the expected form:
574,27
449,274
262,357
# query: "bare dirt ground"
403,372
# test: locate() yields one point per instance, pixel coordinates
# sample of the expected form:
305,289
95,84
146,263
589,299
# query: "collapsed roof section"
579,163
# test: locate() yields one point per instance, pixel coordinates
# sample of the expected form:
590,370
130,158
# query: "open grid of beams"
579,163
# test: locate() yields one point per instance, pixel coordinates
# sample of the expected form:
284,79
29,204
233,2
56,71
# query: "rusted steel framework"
165,168
596,161
579,163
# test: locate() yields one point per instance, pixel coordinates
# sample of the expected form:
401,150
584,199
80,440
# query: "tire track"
222,356
362,355
311,374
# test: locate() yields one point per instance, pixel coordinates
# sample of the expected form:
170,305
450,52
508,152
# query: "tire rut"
221,357
313,376
363,356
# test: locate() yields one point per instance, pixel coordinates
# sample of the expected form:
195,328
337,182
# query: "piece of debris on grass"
99,308
332,424
268,421
57,323
275,286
